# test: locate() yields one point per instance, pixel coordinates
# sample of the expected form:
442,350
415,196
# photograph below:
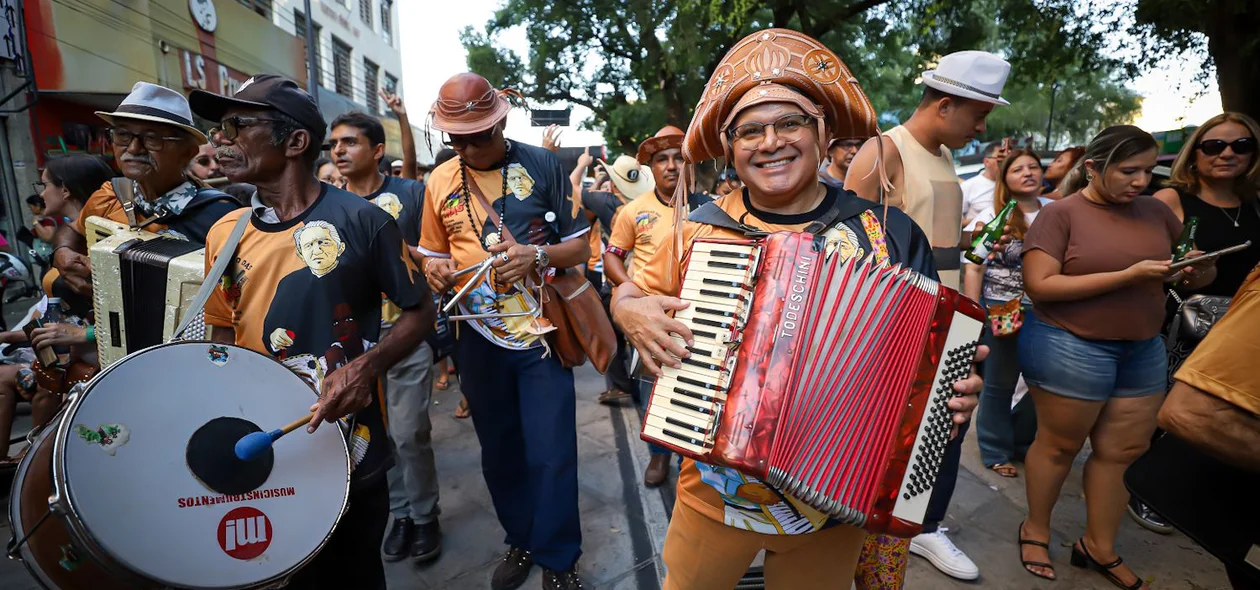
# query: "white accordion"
142,284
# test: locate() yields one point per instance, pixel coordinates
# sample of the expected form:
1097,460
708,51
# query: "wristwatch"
541,259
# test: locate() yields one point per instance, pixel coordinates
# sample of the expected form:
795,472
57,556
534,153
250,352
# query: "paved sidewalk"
624,524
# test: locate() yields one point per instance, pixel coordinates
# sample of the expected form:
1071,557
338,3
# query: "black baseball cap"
265,91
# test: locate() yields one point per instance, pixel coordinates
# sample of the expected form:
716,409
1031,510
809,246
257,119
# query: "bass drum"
109,498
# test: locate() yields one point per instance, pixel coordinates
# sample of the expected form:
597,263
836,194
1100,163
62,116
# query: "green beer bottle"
1185,243
983,243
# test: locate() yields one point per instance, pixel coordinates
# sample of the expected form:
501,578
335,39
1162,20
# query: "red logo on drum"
244,533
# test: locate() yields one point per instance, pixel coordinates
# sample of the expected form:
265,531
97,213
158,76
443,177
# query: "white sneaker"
938,549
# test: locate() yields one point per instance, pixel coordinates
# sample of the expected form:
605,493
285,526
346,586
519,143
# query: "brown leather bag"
573,306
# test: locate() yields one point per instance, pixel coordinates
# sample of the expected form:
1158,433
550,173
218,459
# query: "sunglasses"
1216,147
475,140
230,128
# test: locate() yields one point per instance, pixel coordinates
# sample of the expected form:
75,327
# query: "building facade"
357,52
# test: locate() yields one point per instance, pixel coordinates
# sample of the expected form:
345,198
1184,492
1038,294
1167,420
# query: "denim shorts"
1065,364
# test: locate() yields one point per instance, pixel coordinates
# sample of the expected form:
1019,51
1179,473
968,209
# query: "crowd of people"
345,258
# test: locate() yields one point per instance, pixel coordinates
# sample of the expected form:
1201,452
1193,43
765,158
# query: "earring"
1089,177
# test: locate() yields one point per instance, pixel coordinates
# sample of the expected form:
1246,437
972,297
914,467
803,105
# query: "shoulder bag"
572,306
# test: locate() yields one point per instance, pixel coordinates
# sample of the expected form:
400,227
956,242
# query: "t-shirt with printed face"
308,293
403,199
537,209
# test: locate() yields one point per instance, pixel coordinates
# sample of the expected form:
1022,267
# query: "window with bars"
371,73
262,7
387,21
299,27
341,68
365,12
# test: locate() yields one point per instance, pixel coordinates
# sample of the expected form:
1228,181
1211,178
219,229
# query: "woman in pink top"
1095,266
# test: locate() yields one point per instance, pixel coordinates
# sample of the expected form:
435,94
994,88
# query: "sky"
431,53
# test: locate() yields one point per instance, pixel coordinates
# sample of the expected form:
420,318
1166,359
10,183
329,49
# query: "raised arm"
408,138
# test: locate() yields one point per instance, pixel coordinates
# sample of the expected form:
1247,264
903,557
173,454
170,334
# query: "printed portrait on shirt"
390,203
319,246
519,181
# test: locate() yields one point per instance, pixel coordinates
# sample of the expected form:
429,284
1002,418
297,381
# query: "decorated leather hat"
669,137
468,104
772,59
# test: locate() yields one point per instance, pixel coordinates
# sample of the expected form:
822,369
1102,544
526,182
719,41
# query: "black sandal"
1026,563
1082,559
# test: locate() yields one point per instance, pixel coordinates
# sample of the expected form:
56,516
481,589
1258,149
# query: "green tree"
638,64
1225,33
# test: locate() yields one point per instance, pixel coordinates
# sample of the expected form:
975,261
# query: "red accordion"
825,378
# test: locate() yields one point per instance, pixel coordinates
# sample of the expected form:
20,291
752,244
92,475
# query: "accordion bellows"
142,284
825,378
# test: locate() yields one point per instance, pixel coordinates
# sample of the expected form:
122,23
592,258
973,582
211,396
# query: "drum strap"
226,253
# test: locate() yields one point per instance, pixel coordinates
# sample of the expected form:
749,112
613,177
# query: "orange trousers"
703,554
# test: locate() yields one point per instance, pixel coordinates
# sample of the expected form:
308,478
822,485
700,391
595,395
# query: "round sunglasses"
1215,147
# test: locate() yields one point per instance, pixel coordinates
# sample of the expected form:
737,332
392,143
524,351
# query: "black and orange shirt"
185,212
402,198
536,208
308,292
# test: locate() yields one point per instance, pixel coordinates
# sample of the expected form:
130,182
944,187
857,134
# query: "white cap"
978,75
396,164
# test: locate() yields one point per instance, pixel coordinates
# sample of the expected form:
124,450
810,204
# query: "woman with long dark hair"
1058,169
997,284
1095,266
67,182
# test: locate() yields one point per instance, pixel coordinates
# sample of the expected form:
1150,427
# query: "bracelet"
91,333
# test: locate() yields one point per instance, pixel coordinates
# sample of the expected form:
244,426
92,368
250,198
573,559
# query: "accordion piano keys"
826,378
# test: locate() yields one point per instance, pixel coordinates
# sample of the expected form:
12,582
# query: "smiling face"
774,169
1023,176
1226,165
1123,181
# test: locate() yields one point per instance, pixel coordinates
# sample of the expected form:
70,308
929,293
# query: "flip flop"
461,411
1004,469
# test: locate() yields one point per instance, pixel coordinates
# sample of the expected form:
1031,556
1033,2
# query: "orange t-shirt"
596,262
1221,365
721,493
193,220
641,226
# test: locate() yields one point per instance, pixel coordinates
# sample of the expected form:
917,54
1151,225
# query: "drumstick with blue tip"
253,445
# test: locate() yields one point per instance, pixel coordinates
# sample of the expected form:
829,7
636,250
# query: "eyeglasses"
848,144
39,186
1215,147
462,141
789,128
151,141
230,128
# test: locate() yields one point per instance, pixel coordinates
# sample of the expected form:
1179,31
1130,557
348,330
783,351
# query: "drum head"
122,469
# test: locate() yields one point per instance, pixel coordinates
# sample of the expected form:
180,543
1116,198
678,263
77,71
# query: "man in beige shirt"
957,98
958,95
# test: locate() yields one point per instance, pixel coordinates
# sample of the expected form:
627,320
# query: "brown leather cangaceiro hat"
468,104
786,58
669,137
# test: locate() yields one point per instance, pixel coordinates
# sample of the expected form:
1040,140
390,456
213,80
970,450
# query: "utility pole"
312,83
1054,89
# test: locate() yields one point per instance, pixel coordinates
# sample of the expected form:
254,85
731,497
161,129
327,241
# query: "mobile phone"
1217,254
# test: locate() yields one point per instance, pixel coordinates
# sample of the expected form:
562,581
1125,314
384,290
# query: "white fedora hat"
158,104
631,178
978,75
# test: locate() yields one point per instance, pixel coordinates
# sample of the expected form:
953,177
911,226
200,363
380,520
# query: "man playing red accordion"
770,109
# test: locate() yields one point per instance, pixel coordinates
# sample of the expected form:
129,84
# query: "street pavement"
623,523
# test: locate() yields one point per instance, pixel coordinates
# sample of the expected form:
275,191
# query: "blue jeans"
525,414
995,428
1065,364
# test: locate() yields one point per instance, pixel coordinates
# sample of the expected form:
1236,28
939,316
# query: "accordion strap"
712,214
226,254
125,190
